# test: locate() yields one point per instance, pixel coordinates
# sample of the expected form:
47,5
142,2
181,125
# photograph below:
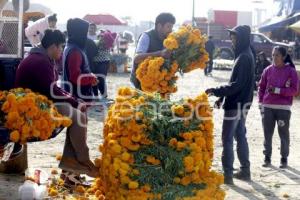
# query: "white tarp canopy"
34,7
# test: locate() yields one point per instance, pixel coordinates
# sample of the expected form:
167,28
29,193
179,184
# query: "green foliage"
163,127
159,176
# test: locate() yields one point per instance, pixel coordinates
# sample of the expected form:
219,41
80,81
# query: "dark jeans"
209,67
101,68
234,128
269,118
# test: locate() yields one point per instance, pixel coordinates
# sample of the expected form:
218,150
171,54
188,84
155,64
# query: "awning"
277,23
295,27
104,19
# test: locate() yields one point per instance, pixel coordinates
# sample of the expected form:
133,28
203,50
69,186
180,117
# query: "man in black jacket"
238,95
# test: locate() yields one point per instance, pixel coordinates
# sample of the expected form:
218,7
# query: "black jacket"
210,48
238,92
91,51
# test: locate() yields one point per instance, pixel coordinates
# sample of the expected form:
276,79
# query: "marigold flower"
15,136
133,185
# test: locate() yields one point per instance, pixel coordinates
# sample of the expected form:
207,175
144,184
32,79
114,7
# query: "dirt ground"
267,183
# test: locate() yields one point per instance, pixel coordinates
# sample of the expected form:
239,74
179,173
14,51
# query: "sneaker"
267,162
228,180
242,176
283,163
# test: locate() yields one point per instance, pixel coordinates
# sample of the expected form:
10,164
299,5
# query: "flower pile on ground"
188,53
29,115
157,149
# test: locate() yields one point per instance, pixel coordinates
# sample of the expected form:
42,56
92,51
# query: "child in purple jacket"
278,85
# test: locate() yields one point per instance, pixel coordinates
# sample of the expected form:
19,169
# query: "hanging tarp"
278,22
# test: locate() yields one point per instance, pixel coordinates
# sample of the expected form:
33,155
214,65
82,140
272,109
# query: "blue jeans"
234,127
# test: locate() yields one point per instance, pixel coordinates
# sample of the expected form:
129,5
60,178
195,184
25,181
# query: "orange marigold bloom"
15,136
133,185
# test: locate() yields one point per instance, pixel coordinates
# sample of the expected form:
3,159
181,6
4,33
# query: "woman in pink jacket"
278,85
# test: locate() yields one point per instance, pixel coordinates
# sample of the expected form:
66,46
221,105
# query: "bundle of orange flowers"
188,53
28,115
156,76
188,47
157,149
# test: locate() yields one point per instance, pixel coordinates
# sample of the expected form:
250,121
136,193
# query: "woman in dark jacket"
38,73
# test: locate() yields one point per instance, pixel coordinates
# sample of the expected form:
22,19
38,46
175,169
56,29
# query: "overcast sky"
144,9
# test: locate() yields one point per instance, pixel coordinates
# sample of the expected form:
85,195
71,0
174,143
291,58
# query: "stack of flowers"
28,115
188,53
157,149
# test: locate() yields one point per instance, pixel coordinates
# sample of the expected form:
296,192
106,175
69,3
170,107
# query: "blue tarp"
287,7
276,24
295,6
288,13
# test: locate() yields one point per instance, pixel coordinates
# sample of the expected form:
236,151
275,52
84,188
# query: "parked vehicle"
259,41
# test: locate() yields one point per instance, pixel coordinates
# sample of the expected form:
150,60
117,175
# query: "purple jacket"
285,78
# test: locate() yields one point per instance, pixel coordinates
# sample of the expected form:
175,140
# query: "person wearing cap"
237,96
77,76
150,43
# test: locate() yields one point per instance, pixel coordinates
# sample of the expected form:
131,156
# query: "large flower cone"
157,149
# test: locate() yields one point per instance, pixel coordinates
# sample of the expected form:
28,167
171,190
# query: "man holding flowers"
150,43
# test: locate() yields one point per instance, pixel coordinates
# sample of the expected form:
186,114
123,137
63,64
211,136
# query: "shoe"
267,162
283,163
228,180
242,176
72,180
76,167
